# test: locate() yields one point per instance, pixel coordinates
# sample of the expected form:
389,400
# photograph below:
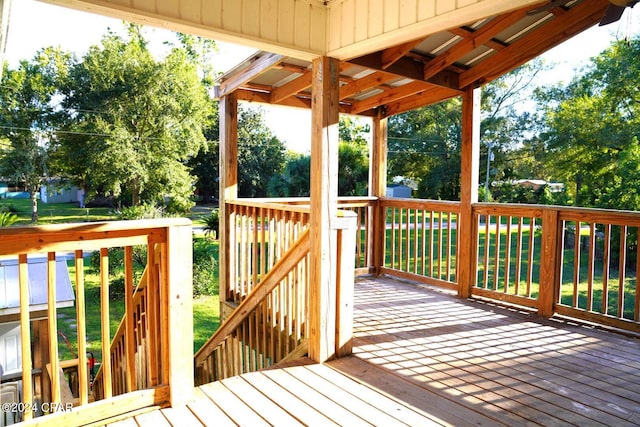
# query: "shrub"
7,219
139,212
212,223
204,269
8,208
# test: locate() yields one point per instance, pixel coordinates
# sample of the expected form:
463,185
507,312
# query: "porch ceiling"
423,71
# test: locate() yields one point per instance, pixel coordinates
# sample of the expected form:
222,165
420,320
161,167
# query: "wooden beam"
491,43
179,301
408,68
549,262
557,30
358,85
259,66
324,205
378,187
469,170
428,97
477,38
389,96
228,189
393,54
301,83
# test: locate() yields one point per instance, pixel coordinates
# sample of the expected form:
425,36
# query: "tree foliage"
28,118
592,130
133,122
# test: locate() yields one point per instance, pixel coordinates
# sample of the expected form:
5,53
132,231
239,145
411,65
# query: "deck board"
425,357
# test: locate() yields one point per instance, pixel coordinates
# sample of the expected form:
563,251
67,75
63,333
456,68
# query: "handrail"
170,292
279,271
119,338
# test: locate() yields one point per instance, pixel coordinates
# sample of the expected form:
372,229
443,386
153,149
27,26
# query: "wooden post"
180,310
378,188
40,359
324,204
469,170
228,188
549,262
347,225
25,337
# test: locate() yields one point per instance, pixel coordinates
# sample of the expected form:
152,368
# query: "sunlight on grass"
206,319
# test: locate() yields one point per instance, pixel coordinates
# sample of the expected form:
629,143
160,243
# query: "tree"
424,146
295,179
592,127
261,155
28,118
133,122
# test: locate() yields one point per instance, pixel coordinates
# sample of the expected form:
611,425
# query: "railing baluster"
81,328
605,268
104,322
591,266
25,336
496,266
507,255
532,227
622,270
518,256
576,263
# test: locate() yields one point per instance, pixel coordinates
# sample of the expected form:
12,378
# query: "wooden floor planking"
425,357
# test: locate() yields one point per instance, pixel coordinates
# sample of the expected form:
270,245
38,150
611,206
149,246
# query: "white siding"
290,27
10,349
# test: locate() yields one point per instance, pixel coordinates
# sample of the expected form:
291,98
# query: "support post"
228,189
347,225
179,260
549,262
378,188
469,174
324,205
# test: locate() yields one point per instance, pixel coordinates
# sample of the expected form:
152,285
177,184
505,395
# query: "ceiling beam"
476,38
253,70
428,97
554,32
356,86
388,96
393,54
407,67
491,43
299,84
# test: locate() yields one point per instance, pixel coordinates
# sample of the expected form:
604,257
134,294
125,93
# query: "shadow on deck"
425,357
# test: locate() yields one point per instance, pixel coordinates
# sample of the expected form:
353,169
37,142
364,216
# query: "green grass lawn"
55,213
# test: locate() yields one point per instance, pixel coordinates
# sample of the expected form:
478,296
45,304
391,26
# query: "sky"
35,25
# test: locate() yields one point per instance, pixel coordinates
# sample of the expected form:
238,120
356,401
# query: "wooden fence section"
507,252
164,317
268,325
598,266
262,232
421,240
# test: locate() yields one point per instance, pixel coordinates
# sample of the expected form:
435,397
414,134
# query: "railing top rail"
263,203
567,213
444,205
55,237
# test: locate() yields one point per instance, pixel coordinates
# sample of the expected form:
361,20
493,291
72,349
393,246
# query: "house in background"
58,191
399,190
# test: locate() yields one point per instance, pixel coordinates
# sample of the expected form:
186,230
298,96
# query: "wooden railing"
421,240
508,252
268,325
269,279
167,323
123,377
580,263
597,266
261,233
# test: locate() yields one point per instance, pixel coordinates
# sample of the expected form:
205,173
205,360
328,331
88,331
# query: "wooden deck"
425,357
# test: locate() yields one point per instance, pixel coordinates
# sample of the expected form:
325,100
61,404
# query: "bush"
204,269
8,208
139,212
212,223
7,219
